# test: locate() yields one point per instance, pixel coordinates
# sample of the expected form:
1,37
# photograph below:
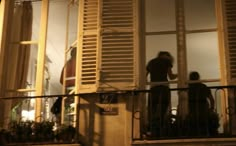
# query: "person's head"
194,75
73,52
165,54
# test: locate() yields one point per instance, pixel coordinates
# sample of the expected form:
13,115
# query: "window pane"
36,20
200,14
203,54
56,39
160,15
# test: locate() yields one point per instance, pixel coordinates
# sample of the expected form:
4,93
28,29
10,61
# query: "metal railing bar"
114,92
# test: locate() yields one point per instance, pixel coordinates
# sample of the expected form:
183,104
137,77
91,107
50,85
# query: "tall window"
202,53
201,38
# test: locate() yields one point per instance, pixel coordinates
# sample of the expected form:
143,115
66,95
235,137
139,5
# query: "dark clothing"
158,105
56,107
159,98
158,68
199,108
198,95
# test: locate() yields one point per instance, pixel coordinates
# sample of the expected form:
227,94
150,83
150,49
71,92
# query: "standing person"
160,70
199,107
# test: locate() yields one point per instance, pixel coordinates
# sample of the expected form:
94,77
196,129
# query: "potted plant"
43,131
65,133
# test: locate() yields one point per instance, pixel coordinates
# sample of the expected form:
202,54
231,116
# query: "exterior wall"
96,129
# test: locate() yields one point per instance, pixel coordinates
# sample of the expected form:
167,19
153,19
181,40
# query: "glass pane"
202,54
160,15
56,41
32,69
200,14
19,66
72,34
36,19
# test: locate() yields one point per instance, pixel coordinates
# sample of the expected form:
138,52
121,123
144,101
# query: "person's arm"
171,75
210,97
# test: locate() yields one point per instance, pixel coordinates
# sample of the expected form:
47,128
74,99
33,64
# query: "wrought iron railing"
217,122
198,122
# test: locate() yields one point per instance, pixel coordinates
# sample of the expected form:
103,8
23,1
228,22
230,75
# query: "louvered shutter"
109,45
230,22
88,44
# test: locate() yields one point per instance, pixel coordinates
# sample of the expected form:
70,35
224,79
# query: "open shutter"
118,50
88,45
110,53
230,22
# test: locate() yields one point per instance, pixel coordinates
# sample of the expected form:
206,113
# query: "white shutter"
88,44
230,19
109,47
118,45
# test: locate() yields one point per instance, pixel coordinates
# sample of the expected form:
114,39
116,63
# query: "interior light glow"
27,115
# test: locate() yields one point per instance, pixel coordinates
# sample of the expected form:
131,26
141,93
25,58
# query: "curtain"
16,55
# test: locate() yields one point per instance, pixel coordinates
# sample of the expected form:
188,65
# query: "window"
199,38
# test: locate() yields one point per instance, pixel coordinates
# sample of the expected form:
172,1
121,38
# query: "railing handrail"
110,92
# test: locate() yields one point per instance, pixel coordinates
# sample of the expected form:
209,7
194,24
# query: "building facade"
115,39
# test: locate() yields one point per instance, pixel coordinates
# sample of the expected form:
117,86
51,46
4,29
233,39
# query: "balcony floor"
188,142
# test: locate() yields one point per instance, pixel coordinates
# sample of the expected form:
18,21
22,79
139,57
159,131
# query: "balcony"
177,130
214,127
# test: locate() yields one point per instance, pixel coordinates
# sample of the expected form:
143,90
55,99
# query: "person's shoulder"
151,61
203,85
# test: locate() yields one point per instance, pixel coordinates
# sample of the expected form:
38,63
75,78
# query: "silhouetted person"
201,103
56,107
160,69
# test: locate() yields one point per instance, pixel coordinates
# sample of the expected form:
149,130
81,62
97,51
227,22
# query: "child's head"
194,75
